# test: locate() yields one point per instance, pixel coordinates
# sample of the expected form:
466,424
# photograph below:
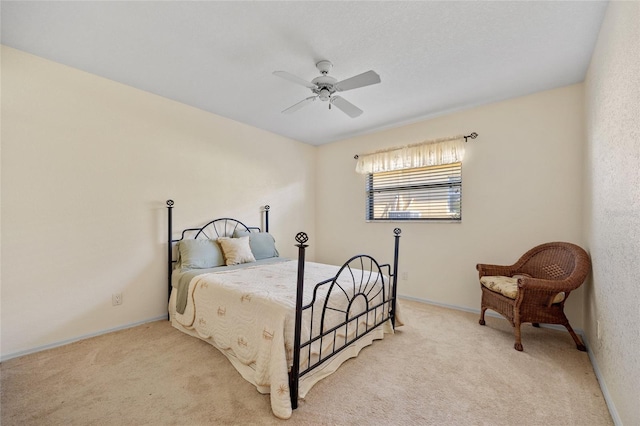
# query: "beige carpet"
442,368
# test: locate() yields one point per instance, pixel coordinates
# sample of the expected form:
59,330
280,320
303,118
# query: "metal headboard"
221,227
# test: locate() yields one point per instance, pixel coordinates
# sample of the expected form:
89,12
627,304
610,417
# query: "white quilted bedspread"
251,313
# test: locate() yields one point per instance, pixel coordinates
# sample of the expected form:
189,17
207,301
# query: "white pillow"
236,250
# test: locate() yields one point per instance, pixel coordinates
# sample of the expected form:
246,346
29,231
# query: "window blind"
423,193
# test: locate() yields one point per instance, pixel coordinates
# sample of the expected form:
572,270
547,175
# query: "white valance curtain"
430,153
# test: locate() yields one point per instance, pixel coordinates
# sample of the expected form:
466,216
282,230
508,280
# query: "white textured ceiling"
433,57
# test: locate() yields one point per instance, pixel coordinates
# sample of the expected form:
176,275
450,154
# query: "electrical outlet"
116,299
405,276
598,330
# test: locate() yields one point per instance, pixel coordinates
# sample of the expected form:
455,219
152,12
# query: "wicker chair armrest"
536,291
550,286
491,270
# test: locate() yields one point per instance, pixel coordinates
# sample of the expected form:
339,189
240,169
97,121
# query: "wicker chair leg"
576,339
518,345
482,311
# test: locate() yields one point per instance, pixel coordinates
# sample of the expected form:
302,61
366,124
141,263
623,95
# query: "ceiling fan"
324,87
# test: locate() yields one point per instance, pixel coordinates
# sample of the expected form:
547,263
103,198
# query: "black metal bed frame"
360,290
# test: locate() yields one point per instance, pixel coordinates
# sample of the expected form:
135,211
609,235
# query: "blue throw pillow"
199,254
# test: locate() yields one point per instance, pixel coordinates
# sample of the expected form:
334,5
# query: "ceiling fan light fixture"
324,94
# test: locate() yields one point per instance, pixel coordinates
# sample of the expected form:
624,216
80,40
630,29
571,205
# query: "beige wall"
612,208
521,187
87,164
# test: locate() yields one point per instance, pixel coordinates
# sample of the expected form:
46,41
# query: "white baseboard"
603,387
75,339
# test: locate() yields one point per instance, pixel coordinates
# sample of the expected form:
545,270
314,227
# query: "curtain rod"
473,135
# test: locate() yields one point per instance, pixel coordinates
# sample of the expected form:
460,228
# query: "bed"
283,324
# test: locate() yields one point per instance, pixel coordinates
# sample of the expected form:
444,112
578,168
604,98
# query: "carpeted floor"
442,368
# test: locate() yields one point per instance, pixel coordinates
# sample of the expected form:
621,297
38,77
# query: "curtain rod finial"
473,135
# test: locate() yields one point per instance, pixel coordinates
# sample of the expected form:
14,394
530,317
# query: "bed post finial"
301,239
396,232
266,217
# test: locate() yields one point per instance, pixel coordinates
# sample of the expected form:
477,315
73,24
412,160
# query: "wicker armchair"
540,283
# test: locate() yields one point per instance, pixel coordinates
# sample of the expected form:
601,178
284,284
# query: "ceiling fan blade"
299,105
294,79
347,107
360,80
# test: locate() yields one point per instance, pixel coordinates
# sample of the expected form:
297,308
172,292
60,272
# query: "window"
422,193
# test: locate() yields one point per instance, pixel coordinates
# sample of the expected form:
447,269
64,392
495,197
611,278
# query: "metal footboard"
360,282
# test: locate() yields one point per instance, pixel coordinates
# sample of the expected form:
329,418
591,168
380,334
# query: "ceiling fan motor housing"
325,86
